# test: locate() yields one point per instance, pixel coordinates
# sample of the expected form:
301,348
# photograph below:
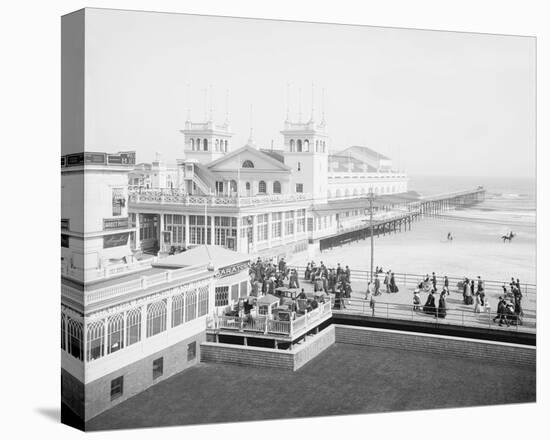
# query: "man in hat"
501,312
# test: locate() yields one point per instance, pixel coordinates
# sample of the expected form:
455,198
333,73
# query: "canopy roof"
219,256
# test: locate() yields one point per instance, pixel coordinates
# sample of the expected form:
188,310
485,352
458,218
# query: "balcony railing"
87,275
264,325
89,297
179,197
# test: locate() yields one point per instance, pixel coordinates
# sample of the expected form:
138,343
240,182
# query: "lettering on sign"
115,240
115,223
230,270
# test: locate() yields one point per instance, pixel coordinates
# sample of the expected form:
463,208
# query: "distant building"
266,202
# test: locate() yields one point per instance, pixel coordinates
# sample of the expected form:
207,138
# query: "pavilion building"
262,202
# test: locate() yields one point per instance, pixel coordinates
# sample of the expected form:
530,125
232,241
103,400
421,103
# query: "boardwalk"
399,305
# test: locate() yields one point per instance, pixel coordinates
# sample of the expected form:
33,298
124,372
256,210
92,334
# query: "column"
295,224
269,218
143,323
137,233
168,313
124,320
212,239
161,235
105,336
186,231
254,233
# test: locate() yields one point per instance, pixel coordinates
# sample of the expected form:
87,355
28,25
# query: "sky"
437,103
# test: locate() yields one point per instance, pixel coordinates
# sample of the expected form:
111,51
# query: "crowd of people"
266,276
381,278
336,280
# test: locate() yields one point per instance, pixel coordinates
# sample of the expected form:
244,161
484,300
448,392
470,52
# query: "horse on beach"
508,237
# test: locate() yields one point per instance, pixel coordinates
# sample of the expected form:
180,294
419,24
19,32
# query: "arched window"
217,145
177,310
114,333
299,146
133,326
306,145
205,144
63,331
355,191
225,142
247,186
292,145
248,164
262,187
95,335
156,318
316,146
75,345
233,186
191,305
276,187
192,142
323,146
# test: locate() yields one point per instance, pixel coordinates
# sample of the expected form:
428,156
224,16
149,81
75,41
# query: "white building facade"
265,202
128,319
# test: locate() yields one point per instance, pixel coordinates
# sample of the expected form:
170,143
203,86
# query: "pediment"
235,159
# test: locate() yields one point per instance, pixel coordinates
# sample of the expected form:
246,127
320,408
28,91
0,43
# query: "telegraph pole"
371,198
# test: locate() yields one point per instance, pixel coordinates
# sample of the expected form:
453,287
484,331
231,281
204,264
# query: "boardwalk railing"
465,318
262,324
413,280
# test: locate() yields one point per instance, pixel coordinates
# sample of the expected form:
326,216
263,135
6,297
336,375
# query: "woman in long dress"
442,307
429,306
393,286
477,307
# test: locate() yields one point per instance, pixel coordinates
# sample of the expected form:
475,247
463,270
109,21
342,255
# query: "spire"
211,114
323,107
188,97
299,105
312,102
287,102
251,136
227,107
204,102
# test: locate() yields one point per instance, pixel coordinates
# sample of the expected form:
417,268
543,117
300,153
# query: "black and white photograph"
280,220
267,219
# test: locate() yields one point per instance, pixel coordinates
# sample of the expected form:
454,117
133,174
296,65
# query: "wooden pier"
425,206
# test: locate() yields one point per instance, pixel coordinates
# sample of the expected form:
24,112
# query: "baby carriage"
511,315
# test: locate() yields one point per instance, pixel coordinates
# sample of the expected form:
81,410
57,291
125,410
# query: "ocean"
509,201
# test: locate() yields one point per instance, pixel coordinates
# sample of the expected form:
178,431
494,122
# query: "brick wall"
138,376
448,346
72,393
269,357
313,346
246,355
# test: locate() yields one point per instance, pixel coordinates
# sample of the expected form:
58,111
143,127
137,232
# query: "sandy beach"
476,249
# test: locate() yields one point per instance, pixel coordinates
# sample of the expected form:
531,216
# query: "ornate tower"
306,152
207,141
